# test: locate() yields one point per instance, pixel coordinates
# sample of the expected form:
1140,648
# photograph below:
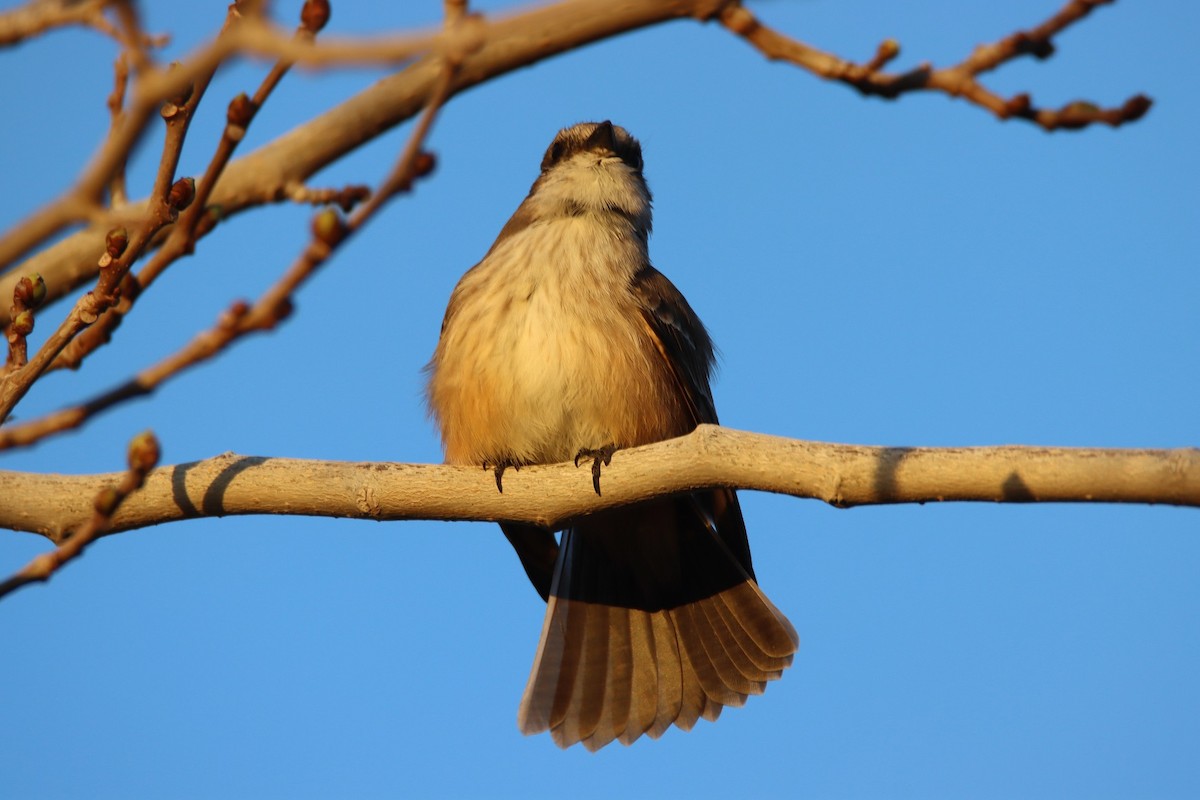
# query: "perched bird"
564,342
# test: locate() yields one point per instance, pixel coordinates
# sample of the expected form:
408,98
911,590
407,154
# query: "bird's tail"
654,619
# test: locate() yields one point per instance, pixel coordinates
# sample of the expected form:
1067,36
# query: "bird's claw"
599,456
498,469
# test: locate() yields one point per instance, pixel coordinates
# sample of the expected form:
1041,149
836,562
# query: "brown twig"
83,201
117,193
134,38
178,111
274,306
120,252
143,456
453,12
252,36
238,116
345,198
494,47
39,16
960,80
182,238
27,296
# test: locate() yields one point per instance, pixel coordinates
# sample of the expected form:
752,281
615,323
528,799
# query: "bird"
563,343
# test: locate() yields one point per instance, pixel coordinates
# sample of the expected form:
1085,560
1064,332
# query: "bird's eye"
556,151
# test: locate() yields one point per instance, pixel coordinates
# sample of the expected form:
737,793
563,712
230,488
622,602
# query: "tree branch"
488,48
839,474
142,456
39,16
329,231
960,80
181,239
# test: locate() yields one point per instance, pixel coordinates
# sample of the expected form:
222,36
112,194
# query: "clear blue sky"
911,273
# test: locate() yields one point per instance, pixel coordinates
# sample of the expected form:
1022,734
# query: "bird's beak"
602,138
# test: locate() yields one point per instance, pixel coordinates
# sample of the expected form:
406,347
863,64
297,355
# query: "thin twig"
346,198
27,296
83,201
274,306
178,111
960,80
251,36
181,240
39,16
117,192
134,38
143,456
494,47
239,115
114,264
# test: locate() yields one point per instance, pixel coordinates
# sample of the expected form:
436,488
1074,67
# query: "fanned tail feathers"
651,622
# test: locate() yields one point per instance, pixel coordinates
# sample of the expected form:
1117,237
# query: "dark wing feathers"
681,338
653,618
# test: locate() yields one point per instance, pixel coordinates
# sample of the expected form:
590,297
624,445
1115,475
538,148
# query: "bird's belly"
548,372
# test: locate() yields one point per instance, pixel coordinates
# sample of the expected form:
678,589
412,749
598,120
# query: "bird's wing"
681,340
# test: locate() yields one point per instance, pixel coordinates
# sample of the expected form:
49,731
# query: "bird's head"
593,167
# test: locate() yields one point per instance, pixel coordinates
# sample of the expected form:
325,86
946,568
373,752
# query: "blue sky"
909,273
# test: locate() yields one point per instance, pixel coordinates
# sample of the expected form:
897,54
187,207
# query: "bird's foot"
498,469
601,455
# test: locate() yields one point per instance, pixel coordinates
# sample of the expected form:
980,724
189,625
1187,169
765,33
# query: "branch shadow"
213,503
885,472
1013,490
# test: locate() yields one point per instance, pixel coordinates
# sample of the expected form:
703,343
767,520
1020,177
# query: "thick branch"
263,176
842,475
490,49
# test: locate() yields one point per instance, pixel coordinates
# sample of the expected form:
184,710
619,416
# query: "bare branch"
467,51
39,16
153,86
345,198
116,107
121,250
488,49
143,456
27,296
329,232
841,475
485,49
182,237
959,80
